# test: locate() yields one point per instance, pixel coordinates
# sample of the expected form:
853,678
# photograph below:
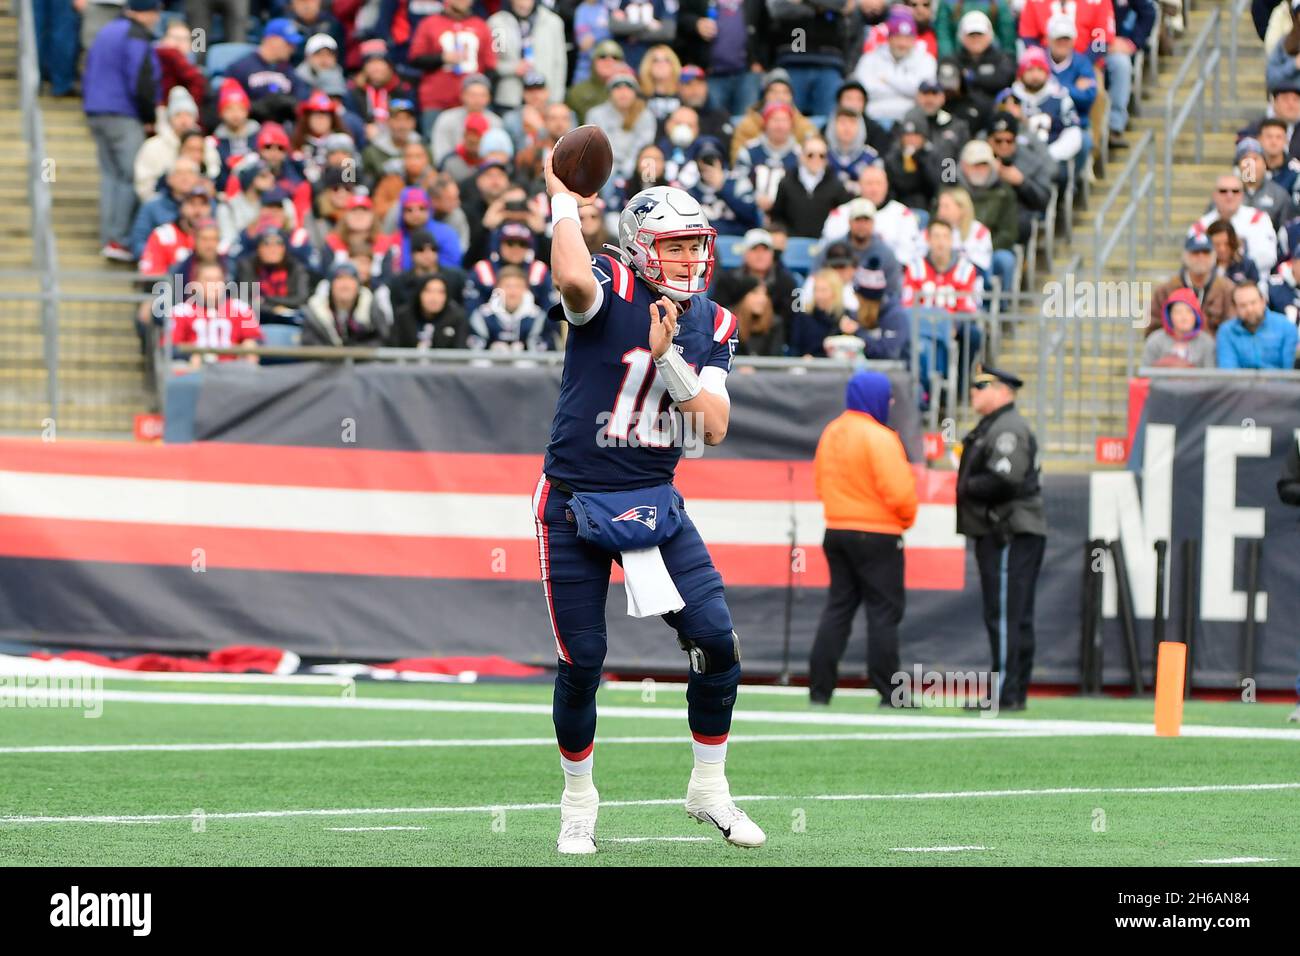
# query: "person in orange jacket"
868,493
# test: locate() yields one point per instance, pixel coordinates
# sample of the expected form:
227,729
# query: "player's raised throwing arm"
570,260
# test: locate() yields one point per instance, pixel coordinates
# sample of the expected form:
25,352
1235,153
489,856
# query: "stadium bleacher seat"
800,253
730,254
280,336
222,55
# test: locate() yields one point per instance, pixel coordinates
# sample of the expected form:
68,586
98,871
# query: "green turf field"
469,774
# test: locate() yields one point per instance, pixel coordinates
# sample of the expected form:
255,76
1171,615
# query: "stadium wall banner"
375,512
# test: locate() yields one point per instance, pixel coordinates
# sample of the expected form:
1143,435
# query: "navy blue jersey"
615,427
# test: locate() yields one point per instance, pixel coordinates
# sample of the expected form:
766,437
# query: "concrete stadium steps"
1100,394
102,373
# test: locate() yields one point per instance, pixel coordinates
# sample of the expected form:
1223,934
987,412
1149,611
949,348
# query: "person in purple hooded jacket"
120,92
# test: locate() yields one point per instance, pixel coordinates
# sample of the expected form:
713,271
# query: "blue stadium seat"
280,336
799,254
729,252
222,55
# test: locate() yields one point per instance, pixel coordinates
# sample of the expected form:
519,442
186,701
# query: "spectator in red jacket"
1093,19
174,51
448,47
214,319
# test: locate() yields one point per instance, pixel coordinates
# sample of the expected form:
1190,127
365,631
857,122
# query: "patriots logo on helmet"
642,207
645,514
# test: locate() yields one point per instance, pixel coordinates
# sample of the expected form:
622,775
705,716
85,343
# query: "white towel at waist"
650,588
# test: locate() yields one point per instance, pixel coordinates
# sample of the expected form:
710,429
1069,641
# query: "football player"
645,368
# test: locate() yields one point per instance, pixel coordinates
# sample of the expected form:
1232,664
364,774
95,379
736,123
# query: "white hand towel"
650,588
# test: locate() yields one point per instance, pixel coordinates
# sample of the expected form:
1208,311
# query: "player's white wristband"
564,206
682,382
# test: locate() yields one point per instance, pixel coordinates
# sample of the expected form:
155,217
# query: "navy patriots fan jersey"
613,429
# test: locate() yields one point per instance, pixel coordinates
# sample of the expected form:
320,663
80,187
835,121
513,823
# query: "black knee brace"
712,655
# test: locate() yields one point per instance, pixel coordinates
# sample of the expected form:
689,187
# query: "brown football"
583,159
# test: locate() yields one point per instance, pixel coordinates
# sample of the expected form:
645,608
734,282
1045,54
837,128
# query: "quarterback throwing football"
645,365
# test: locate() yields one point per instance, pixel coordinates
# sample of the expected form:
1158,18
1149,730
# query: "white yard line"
41,697
937,849
659,839
1242,859
549,742
370,829
676,802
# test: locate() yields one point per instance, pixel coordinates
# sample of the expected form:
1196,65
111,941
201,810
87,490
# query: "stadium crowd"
375,166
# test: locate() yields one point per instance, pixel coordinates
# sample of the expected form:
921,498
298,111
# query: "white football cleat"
710,802
578,822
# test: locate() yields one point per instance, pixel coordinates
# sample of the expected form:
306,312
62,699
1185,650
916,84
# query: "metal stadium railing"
44,252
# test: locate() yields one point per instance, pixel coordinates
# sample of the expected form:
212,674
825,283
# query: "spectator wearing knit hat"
376,85
1045,107
415,213
236,133
120,86
159,151
726,198
606,60
777,88
1261,192
846,138
515,248
282,280
278,213
1023,164
767,159
892,73
627,122
397,289
342,311
944,131
383,155
494,147
451,126
242,210
915,167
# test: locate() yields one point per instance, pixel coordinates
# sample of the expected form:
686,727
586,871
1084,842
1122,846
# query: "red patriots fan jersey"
957,289
615,427
225,326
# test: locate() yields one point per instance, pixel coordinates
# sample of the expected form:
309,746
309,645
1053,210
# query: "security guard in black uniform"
1000,506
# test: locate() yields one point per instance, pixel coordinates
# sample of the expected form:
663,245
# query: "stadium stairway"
101,369
1096,390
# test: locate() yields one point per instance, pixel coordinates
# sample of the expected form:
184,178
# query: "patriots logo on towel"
642,513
